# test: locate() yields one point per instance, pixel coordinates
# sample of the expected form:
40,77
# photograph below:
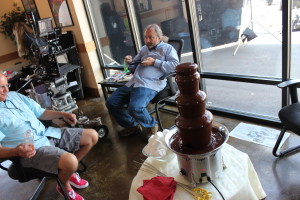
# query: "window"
237,44
111,29
171,16
243,45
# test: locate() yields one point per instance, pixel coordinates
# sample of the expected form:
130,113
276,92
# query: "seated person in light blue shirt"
155,59
231,20
53,147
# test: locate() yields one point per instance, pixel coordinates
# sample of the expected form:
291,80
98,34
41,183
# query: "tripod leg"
237,48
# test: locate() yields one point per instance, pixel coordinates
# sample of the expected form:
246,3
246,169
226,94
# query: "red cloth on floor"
158,188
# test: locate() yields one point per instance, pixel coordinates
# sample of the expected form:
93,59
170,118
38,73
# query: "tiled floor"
111,167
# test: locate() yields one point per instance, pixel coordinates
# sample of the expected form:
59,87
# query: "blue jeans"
136,112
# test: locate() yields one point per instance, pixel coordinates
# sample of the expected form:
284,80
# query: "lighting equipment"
248,35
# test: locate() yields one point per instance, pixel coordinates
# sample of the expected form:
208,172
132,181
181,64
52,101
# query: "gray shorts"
47,157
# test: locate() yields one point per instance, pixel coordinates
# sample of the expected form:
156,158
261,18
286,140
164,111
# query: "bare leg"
88,139
68,162
67,165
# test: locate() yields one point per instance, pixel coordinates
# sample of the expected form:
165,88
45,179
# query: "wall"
8,49
91,73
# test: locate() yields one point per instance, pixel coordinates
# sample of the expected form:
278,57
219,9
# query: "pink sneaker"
78,182
71,194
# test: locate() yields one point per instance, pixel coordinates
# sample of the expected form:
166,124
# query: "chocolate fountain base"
197,168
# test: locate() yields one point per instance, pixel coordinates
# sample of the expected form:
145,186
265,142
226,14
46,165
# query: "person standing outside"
231,20
155,59
115,30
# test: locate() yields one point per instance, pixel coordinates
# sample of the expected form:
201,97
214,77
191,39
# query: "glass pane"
170,16
244,97
240,37
295,49
112,30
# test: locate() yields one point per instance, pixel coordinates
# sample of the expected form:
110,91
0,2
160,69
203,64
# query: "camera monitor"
45,26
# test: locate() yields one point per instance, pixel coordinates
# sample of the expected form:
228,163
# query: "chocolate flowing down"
194,122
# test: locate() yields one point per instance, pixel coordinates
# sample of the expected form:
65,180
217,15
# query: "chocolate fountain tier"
186,69
191,106
187,79
218,137
195,132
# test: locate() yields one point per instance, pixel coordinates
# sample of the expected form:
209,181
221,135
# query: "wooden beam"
8,57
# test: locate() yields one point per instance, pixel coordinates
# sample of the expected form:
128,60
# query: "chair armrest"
170,82
18,172
12,159
167,75
292,85
288,83
1,166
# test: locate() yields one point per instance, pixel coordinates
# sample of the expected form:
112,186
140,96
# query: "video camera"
51,35
55,52
53,62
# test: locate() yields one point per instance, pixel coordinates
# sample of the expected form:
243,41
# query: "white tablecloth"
238,182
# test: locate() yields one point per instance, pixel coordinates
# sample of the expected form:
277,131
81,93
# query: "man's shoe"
78,182
71,194
130,131
150,131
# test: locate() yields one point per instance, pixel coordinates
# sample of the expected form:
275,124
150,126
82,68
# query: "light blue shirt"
232,17
18,114
166,59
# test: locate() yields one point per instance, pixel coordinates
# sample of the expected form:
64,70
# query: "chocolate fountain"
197,141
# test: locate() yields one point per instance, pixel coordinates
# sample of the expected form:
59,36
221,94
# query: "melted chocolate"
217,139
194,123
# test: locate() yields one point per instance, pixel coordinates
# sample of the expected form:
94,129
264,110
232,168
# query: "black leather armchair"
17,172
289,117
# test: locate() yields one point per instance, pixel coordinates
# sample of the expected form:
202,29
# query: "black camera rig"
55,62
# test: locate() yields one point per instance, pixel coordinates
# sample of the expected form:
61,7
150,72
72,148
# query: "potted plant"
8,20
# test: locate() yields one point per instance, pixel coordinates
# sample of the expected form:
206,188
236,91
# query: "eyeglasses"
5,86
